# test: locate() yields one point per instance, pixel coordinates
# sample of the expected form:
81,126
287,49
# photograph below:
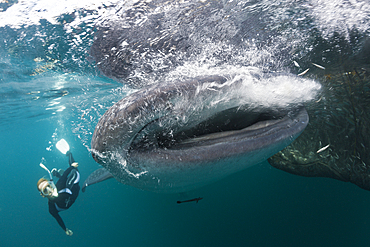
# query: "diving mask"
48,189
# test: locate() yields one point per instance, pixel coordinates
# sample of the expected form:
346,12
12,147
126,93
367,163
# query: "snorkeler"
62,195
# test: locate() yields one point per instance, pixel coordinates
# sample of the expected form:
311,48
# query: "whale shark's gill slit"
141,139
155,134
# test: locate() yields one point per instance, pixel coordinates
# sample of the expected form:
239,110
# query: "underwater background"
53,87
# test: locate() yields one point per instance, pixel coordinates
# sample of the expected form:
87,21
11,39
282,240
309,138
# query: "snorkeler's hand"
54,172
69,232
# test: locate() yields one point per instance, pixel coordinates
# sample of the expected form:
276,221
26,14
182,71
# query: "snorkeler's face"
48,189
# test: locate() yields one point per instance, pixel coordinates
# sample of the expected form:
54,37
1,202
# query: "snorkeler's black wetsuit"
68,189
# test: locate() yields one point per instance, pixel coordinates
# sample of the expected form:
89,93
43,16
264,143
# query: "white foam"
258,88
280,91
340,15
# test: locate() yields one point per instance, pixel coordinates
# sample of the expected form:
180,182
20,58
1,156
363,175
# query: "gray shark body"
175,138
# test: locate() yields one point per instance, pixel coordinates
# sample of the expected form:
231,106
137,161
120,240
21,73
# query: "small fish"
304,72
38,59
322,149
191,200
296,64
318,66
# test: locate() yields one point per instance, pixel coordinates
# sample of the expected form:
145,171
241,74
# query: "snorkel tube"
54,192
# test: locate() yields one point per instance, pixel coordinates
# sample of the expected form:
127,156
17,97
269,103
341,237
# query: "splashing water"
55,54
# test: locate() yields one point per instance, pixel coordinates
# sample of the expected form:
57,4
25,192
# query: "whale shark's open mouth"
184,116
223,124
239,129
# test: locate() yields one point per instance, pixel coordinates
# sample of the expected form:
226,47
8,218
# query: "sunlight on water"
31,12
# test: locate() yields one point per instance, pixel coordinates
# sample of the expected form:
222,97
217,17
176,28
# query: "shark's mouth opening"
221,125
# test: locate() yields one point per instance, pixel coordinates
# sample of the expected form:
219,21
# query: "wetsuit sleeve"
54,212
71,160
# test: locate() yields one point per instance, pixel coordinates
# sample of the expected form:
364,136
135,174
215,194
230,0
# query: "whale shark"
183,135
147,43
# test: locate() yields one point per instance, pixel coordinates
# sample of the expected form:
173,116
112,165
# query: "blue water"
261,206
50,88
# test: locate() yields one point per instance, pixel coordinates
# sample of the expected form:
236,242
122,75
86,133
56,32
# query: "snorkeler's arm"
54,212
71,160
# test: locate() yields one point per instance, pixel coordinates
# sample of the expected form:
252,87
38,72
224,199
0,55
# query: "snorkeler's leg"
72,179
63,180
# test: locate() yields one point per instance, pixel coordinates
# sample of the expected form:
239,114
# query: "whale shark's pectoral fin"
97,176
